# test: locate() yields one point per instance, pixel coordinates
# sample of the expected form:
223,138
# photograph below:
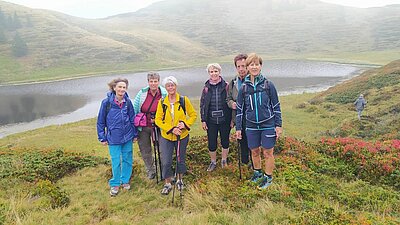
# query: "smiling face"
254,68
171,88
214,74
120,89
153,84
241,68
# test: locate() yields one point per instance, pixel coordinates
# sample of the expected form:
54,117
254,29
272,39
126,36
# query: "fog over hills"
271,26
176,32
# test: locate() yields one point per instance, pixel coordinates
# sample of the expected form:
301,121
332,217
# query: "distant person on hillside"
360,104
115,129
258,104
174,116
215,114
145,103
233,90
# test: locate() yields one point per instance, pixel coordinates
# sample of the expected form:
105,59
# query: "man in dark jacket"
233,90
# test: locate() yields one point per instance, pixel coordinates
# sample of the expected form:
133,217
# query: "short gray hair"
215,65
153,75
170,79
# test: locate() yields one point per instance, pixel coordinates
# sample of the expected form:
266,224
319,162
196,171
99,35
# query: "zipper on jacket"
123,124
255,105
216,96
251,102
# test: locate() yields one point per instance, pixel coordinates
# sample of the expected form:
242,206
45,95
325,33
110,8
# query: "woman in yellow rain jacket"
174,116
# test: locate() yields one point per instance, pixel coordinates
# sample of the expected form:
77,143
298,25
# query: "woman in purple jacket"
115,129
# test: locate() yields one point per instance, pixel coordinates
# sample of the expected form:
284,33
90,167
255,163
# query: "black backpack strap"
108,107
244,90
266,87
182,103
164,108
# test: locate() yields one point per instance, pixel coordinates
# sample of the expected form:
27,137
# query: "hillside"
381,89
59,174
64,46
187,32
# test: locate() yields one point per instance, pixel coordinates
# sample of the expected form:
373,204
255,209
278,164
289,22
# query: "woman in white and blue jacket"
115,128
146,101
259,106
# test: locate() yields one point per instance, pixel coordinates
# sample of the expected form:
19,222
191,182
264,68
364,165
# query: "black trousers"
224,130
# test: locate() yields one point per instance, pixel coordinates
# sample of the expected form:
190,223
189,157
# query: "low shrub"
380,160
34,165
51,195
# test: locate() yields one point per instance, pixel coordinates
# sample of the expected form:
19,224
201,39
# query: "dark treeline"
9,25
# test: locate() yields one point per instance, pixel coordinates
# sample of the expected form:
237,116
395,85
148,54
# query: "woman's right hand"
177,131
234,105
104,143
204,125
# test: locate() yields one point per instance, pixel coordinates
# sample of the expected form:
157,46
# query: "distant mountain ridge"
275,27
178,32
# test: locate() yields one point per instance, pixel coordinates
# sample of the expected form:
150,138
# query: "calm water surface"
31,106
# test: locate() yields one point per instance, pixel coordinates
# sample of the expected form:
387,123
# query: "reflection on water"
26,108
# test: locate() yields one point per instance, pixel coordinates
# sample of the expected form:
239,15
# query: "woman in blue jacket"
259,106
115,129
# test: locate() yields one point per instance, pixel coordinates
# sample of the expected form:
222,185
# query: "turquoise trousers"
121,163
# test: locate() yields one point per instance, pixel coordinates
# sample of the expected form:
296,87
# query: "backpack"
181,105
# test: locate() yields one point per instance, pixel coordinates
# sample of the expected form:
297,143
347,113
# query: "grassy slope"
217,199
382,115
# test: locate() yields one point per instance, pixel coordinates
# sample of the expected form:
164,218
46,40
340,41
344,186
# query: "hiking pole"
155,151
176,165
239,160
157,138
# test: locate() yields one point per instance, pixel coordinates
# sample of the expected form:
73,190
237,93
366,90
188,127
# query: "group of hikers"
160,115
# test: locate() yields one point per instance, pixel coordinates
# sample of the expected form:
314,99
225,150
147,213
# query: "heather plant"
51,195
378,160
46,165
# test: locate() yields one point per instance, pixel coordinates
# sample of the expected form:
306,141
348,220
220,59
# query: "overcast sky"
104,8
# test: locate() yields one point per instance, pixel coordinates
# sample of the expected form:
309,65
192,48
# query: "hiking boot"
126,186
224,163
180,185
151,176
266,182
257,176
166,189
114,191
211,167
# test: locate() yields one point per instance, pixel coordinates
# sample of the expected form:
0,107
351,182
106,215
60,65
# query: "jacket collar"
167,102
258,79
